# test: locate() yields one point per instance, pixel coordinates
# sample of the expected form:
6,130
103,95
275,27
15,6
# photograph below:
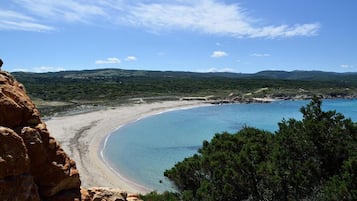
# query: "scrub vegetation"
112,87
311,159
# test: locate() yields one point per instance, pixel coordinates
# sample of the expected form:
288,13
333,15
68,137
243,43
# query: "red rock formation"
100,193
16,107
16,182
28,153
33,166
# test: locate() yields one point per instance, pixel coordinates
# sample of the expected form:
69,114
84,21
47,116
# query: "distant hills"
270,74
116,86
308,75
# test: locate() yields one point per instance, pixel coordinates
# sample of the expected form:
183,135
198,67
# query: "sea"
142,150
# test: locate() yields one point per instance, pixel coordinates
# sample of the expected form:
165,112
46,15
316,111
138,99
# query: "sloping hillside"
115,86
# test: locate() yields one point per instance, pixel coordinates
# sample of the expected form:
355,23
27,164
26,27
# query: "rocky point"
33,166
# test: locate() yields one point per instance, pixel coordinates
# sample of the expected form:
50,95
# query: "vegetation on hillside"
311,159
116,86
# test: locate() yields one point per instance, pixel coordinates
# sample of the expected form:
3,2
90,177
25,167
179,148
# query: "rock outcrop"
32,164
16,182
100,193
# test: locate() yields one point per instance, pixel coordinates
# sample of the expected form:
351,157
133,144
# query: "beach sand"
82,137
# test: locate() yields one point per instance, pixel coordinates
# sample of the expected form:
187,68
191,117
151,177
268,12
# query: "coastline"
83,135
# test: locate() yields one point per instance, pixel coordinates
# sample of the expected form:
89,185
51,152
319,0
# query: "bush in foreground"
311,159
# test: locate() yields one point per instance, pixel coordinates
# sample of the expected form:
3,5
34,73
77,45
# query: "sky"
243,36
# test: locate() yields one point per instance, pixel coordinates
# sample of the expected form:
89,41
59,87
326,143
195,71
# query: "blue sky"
181,35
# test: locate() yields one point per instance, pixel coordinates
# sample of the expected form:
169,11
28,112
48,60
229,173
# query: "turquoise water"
144,149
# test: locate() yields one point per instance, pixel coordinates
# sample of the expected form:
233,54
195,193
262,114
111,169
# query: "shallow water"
144,149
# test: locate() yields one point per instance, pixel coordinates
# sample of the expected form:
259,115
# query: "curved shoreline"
140,188
82,136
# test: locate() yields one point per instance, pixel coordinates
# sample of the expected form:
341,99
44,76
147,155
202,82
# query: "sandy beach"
82,137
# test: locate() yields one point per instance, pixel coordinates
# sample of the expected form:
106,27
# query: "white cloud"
346,66
204,16
67,10
131,58
41,69
11,20
212,17
36,15
286,31
218,54
216,70
260,55
111,60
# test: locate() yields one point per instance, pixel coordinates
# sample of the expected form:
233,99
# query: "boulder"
100,193
54,171
28,153
16,107
16,182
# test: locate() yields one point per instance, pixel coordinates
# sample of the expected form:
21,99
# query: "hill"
310,75
117,86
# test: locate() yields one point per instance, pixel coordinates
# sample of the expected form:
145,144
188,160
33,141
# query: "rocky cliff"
33,166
